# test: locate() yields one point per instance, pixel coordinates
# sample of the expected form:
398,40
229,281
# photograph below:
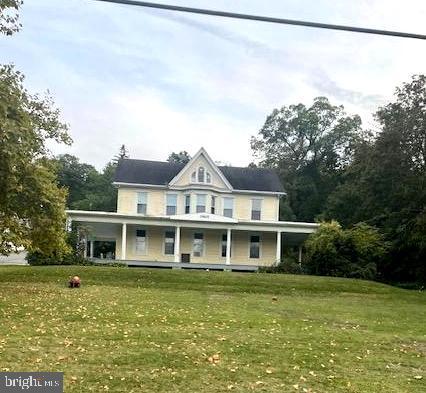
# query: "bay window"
201,203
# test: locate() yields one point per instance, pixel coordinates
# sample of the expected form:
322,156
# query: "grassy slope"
154,331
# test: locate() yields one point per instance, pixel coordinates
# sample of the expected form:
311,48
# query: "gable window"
201,173
169,243
141,246
187,204
256,209
198,244
171,204
254,246
201,203
228,207
223,245
141,206
213,205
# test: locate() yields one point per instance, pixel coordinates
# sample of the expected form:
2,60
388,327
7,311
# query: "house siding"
156,200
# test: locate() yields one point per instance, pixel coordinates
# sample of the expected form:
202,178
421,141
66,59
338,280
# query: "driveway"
14,259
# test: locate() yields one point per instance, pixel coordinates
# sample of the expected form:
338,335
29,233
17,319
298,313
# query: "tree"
76,177
310,147
32,206
9,16
179,158
386,183
87,188
122,154
354,252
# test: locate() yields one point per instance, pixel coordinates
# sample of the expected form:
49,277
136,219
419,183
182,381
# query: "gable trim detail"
214,167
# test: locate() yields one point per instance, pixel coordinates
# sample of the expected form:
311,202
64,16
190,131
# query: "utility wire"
268,19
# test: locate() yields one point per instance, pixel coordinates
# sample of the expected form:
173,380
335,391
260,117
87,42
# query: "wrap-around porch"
173,242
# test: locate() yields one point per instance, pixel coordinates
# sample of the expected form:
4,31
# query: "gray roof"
161,173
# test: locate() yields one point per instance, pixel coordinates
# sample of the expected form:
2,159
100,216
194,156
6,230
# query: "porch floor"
179,265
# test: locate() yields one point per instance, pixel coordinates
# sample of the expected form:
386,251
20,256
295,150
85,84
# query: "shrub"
354,252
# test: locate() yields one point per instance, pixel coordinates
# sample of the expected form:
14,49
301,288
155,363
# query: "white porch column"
123,241
300,254
177,244
68,224
228,246
278,255
92,248
86,253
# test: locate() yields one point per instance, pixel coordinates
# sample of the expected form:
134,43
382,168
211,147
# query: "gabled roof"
214,167
160,173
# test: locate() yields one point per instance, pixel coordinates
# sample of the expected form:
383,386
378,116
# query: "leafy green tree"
310,147
31,204
77,177
180,158
386,183
354,252
9,16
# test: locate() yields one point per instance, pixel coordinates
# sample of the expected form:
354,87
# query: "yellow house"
194,215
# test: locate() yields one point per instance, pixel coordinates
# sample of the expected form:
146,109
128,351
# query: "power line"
268,19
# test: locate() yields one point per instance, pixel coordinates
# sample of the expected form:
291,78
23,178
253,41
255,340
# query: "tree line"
334,169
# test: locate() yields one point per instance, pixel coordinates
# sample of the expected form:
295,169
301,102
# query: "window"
141,241
201,173
228,207
201,203
254,246
142,198
256,208
169,243
171,204
213,205
198,245
224,242
187,204
201,176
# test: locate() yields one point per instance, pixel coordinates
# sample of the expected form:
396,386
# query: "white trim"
259,192
191,221
194,186
200,152
137,185
123,240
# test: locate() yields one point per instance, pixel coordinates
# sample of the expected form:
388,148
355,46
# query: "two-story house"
193,215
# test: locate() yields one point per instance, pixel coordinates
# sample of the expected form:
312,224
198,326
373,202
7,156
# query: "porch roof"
204,220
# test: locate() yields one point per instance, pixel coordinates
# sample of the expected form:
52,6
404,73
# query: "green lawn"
141,330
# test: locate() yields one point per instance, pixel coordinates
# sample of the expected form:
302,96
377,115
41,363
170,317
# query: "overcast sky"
160,81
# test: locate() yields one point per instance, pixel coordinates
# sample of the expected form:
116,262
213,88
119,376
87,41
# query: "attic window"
201,174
